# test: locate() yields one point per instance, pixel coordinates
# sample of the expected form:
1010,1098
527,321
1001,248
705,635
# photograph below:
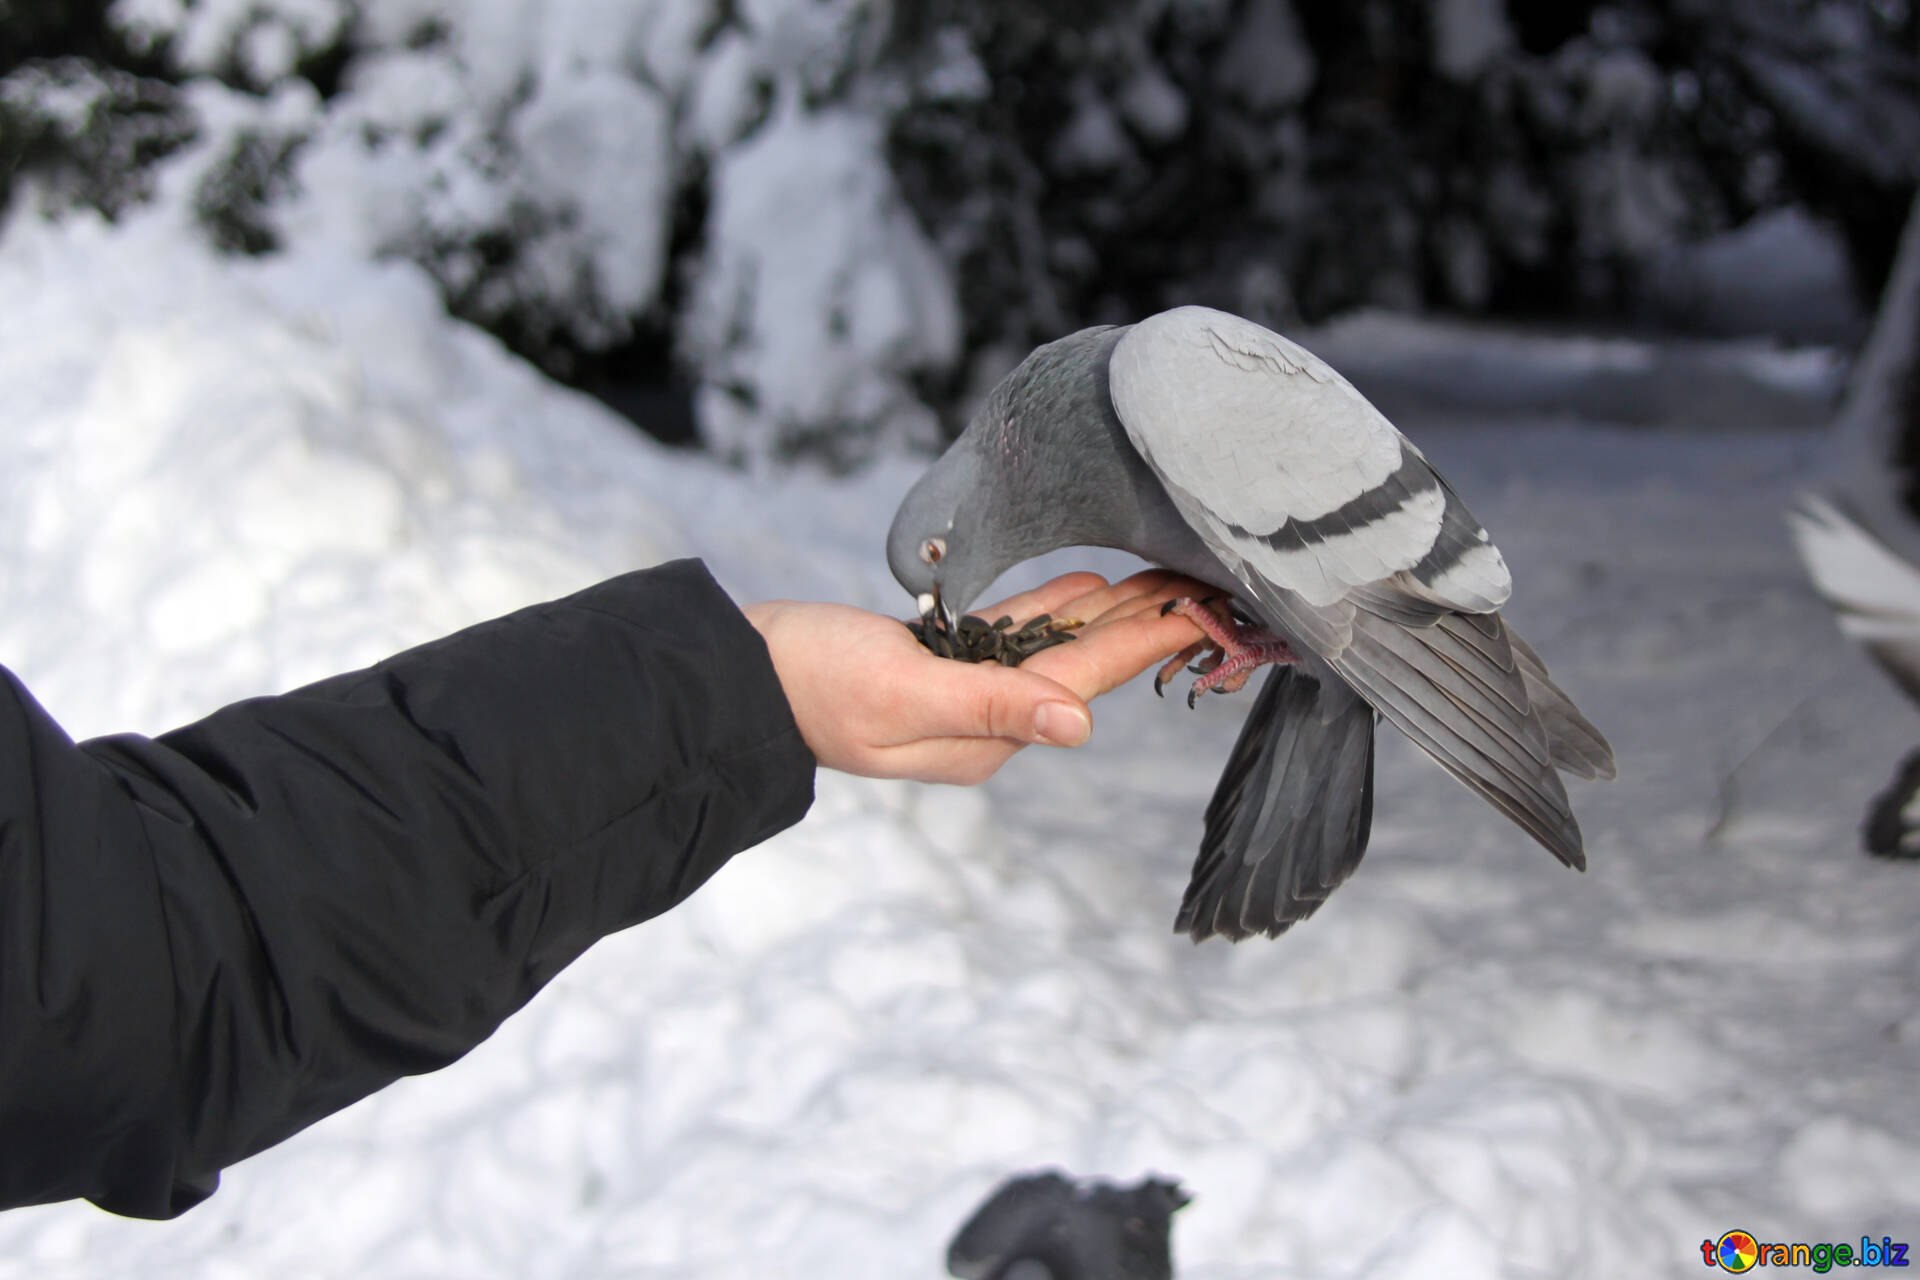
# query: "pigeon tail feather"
1290,817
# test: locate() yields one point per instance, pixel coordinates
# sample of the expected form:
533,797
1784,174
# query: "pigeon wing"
1297,471
1874,590
1348,541
1290,817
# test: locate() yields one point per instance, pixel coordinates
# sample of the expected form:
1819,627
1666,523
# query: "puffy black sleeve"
213,938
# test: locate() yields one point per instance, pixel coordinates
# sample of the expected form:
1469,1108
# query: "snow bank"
211,462
1784,274
230,477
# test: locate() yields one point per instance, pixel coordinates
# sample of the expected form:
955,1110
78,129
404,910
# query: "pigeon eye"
933,549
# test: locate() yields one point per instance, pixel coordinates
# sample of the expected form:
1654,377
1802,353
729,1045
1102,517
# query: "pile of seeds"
974,639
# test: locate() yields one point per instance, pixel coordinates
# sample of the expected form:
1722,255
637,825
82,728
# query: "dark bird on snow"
1212,446
1044,1226
1860,534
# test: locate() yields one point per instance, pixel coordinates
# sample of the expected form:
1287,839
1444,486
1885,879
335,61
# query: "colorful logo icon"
1736,1251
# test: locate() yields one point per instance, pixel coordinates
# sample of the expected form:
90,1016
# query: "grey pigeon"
1860,534
1044,1226
1210,445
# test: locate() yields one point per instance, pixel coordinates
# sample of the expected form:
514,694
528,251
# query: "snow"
1491,372
1467,35
212,480
231,476
1154,105
722,100
532,158
1270,66
1784,274
602,124
822,322
261,43
1093,140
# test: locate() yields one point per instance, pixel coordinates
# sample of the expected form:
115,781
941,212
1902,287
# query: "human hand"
870,700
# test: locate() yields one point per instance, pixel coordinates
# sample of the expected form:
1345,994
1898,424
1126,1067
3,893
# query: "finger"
1092,604
1086,595
1150,588
1154,603
1049,597
1114,652
1153,581
1169,586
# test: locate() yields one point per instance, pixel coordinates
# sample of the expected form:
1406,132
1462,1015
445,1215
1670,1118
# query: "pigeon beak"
931,605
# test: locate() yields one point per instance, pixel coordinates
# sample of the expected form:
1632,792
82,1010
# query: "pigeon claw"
1172,666
1237,650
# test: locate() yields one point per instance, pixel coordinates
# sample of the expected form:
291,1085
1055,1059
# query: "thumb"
961,700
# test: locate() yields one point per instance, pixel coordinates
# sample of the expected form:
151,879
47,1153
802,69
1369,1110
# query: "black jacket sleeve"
213,938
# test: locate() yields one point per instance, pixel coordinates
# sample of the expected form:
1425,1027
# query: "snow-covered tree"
831,220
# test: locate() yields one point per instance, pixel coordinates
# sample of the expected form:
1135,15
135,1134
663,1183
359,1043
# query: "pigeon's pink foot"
1238,651
1189,654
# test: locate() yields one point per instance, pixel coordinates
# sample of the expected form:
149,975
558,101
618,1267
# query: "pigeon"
1859,533
1044,1226
1210,445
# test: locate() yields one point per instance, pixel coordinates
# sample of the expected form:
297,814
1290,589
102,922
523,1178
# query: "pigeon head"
1030,474
941,546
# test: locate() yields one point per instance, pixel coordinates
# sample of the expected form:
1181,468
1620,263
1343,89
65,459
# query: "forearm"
361,879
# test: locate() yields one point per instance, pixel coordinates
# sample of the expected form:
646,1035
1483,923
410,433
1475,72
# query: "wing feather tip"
1601,768
1199,924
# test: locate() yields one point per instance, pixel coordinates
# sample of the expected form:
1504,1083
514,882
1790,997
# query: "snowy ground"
225,479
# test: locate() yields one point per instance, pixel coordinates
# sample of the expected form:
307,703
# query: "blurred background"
329,326
812,228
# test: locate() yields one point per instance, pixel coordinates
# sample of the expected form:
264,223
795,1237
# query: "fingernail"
1061,724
